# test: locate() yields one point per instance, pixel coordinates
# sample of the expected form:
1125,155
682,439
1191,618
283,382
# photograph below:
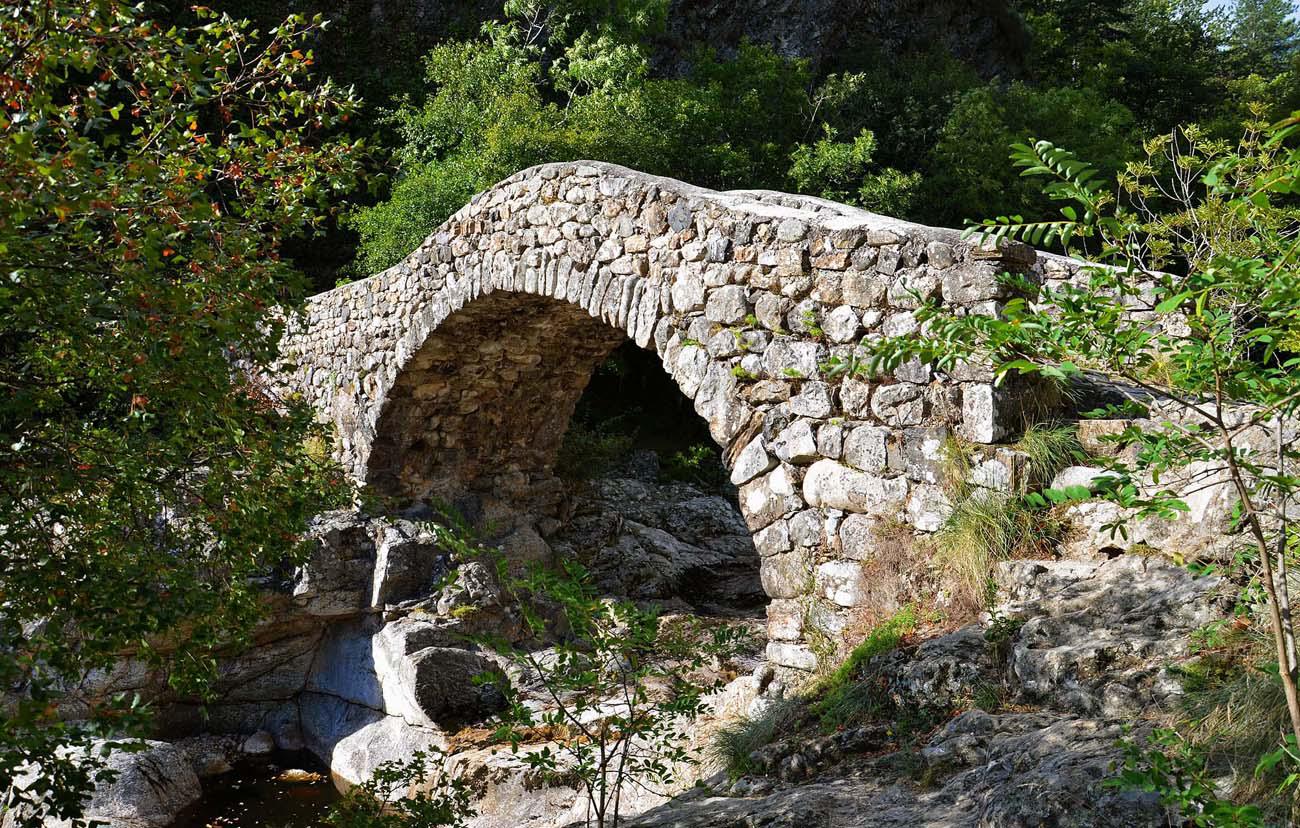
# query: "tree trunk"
1278,595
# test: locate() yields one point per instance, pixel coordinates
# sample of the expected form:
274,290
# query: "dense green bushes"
917,135
150,176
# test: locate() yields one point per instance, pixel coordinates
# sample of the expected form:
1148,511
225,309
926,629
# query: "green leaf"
1173,302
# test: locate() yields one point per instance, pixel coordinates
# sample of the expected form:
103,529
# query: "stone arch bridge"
454,373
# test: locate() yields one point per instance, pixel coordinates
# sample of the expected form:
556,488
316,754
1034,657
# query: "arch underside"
481,408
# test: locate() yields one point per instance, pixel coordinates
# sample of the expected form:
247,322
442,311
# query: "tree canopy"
148,177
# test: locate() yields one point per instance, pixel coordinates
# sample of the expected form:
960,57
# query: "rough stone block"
855,398
865,448
928,508
980,410
797,443
918,453
900,404
805,528
830,440
831,485
842,324
785,619
774,540
939,254
862,289
769,497
813,400
971,283
786,574
793,656
841,582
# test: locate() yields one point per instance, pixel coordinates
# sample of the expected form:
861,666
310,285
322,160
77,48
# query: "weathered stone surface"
407,564
797,443
773,540
337,578
794,656
928,508
813,400
841,582
842,324
355,740
918,453
979,411
1085,476
769,497
443,683
787,575
150,790
831,485
900,404
1008,769
1094,434
865,448
752,461
727,305
1132,615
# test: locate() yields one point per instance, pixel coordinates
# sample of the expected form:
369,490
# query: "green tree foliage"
1200,236
567,85
917,135
842,171
1160,58
969,175
1264,36
1174,769
147,177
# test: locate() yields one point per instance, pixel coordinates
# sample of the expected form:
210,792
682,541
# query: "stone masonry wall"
453,374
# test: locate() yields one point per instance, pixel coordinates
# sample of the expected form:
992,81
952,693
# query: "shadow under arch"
481,408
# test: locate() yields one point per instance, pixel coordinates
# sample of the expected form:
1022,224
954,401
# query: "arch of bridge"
453,374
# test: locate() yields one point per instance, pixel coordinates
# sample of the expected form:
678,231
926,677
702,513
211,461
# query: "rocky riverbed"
1075,657
364,659
364,655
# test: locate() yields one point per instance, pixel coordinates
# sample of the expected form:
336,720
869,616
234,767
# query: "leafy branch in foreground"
416,793
620,689
1194,302
148,174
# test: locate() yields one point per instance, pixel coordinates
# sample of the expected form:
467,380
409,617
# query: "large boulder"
449,684
150,789
354,740
337,578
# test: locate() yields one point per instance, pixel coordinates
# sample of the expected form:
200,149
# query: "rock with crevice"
1098,636
150,788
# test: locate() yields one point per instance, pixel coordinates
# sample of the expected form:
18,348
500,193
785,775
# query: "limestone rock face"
443,681
649,540
1010,769
152,787
333,581
1083,642
1098,636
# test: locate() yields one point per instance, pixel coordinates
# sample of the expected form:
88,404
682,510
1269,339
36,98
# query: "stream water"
261,795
